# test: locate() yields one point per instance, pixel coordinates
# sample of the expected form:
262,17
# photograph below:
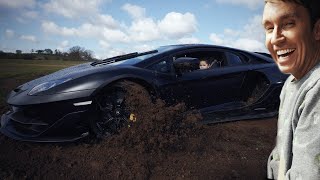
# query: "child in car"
204,64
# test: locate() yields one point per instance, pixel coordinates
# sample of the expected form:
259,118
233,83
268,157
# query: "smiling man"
292,30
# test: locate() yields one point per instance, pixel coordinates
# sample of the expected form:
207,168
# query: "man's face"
289,37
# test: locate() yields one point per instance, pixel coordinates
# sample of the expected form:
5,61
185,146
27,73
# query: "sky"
113,27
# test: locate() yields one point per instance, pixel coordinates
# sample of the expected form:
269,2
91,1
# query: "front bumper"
50,123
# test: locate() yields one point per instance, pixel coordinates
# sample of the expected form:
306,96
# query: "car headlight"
47,85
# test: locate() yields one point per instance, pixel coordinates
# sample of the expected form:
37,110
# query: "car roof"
167,49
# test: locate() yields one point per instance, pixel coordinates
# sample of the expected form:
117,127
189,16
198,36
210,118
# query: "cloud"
136,12
177,25
17,3
230,32
86,30
173,26
250,37
189,40
26,16
73,8
30,14
106,20
112,35
216,39
141,30
254,29
9,33
104,44
249,44
144,30
143,48
53,28
110,51
82,9
252,4
63,45
108,32
28,38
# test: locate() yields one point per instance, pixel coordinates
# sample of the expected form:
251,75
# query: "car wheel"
111,110
259,89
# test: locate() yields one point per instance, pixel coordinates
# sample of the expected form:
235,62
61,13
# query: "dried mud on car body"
164,143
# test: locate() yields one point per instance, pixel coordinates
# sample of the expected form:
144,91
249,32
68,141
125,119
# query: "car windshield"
133,58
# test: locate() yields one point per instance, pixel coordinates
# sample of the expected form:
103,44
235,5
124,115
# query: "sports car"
85,99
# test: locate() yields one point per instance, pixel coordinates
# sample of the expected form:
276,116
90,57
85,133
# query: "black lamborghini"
57,107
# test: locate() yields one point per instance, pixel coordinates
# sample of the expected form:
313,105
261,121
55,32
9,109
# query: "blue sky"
113,27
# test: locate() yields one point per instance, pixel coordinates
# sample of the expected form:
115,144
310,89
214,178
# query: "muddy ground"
164,143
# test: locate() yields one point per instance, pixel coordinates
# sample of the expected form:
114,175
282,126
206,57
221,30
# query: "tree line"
75,53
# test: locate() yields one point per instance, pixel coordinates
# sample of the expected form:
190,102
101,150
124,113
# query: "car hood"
72,72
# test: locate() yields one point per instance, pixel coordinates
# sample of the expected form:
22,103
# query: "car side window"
215,59
162,66
233,59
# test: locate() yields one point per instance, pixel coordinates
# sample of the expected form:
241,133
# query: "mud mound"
157,128
163,143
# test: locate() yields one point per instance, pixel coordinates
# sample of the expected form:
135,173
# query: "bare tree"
75,53
39,51
48,51
57,52
87,55
79,53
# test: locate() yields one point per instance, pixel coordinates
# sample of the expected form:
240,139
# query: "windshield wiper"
123,57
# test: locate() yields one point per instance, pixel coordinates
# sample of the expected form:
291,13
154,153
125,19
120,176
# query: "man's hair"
313,7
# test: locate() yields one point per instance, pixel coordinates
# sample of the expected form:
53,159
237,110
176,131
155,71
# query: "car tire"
259,89
111,110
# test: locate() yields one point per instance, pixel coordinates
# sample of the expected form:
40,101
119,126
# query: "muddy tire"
258,91
114,108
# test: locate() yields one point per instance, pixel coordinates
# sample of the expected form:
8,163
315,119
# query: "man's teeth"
285,51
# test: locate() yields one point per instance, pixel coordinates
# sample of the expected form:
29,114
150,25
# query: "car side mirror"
185,64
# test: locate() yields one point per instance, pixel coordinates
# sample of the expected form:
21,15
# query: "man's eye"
269,29
289,24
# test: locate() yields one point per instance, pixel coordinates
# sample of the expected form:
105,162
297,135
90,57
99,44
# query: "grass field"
15,72
22,69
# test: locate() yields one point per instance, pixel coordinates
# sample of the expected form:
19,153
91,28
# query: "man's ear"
316,30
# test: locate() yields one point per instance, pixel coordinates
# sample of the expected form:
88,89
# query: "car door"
214,86
165,81
222,85
171,86
200,88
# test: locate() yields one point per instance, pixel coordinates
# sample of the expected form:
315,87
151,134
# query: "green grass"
16,72
26,68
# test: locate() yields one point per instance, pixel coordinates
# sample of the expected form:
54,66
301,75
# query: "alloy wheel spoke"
113,112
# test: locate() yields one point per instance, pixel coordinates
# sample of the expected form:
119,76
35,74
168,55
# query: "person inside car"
204,64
